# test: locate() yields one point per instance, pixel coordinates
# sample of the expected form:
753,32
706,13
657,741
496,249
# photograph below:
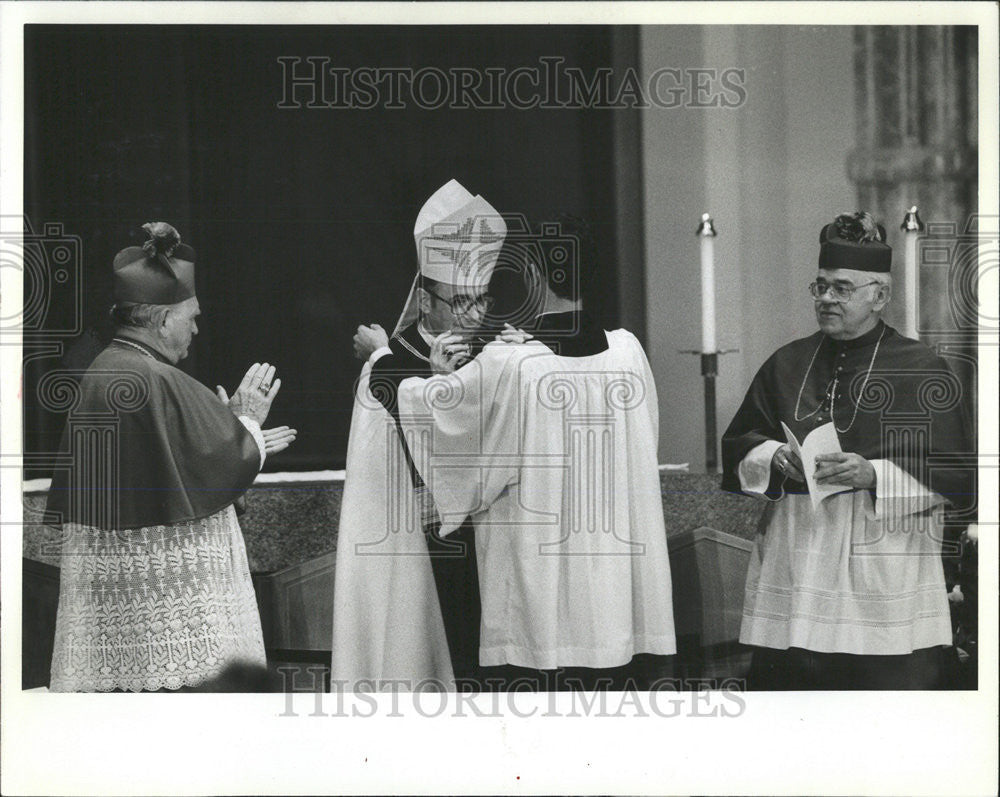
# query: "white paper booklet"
821,440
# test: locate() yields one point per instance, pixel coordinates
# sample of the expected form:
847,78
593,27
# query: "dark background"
302,219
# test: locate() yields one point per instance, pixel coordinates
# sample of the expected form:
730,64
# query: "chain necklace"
135,346
405,344
832,391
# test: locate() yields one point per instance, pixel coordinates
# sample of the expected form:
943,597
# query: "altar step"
708,570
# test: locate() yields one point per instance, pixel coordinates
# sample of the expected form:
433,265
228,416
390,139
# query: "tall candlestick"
911,226
709,351
706,232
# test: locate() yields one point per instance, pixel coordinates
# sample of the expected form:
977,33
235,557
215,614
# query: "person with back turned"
546,443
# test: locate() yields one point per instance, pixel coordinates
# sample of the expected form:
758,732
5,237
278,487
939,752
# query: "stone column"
916,94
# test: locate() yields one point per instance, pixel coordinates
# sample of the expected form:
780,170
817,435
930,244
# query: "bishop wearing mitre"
406,602
547,446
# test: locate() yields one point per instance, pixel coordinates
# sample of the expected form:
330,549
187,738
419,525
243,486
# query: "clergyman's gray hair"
881,278
135,314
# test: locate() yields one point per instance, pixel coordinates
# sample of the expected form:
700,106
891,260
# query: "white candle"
706,233
911,285
911,227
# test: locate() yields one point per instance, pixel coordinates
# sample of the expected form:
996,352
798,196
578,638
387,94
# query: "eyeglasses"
841,293
460,305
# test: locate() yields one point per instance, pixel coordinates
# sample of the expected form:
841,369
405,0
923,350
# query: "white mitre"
458,237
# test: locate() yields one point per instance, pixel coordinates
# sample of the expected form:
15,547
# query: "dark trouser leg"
649,669
640,674
511,678
797,669
773,670
453,561
921,669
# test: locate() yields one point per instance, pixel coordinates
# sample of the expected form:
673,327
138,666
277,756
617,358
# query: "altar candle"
911,227
706,232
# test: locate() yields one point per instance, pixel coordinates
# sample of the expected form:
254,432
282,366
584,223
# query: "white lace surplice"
155,607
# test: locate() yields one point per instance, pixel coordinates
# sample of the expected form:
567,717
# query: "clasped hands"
450,350
253,398
841,468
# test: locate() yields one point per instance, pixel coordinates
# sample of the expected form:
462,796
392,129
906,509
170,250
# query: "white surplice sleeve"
898,494
651,402
755,468
462,430
258,436
378,354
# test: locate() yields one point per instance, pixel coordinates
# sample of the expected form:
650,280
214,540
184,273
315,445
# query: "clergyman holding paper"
848,592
